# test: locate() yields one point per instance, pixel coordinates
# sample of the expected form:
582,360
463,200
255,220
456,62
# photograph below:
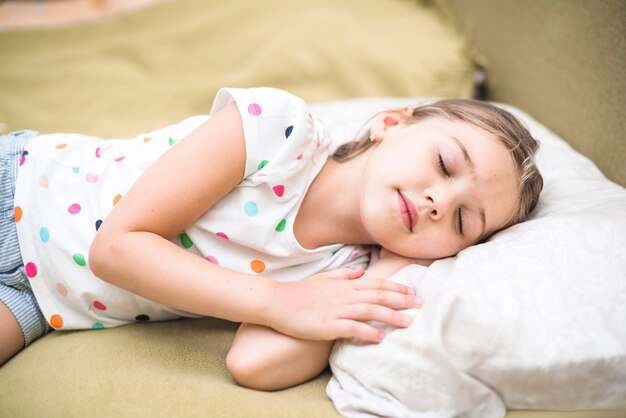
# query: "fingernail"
406,319
411,291
418,301
381,335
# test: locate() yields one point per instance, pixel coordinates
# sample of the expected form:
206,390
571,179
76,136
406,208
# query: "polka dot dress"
67,185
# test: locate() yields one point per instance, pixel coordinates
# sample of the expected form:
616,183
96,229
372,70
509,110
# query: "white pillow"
535,318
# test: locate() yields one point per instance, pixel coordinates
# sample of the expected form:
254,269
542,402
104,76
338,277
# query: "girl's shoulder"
278,127
259,101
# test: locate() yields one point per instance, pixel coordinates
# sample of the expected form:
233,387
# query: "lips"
408,210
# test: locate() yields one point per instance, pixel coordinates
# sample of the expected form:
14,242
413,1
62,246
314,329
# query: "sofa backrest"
561,61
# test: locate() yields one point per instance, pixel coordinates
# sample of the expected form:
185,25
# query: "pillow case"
534,318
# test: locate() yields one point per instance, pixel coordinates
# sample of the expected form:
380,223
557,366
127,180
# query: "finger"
347,273
391,299
345,328
369,312
384,285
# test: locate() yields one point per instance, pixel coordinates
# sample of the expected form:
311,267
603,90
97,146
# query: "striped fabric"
15,291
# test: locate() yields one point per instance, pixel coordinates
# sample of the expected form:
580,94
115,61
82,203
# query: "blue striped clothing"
15,290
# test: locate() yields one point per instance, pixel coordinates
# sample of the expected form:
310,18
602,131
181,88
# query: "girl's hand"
337,303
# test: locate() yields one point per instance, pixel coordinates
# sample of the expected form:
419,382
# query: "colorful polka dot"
91,178
31,270
254,109
118,159
116,199
76,169
281,225
17,213
212,259
257,266
23,158
61,146
299,157
222,235
44,234
262,164
98,224
185,240
142,318
99,305
79,259
279,190
74,208
147,139
62,289
43,182
171,141
288,131
98,152
251,208
56,321
97,325
354,255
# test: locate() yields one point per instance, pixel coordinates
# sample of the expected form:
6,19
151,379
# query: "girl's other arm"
263,359
132,250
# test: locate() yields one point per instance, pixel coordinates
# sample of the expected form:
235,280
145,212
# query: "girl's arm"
263,359
132,250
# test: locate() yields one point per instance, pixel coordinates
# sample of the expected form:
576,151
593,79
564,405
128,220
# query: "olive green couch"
560,61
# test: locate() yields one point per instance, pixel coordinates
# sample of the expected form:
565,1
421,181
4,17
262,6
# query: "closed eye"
442,166
460,221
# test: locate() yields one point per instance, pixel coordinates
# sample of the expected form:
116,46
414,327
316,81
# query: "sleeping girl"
247,216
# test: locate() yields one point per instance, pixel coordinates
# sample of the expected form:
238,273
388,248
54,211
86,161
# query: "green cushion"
168,369
142,71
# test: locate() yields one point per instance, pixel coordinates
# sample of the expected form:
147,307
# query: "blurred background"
41,13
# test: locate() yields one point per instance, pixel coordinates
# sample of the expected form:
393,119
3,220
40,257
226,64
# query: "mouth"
408,211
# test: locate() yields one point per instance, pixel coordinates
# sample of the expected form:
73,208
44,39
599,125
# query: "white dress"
68,183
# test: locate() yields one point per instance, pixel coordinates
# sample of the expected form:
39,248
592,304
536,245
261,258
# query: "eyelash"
443,167
444,170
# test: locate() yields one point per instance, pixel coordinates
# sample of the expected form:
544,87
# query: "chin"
418,253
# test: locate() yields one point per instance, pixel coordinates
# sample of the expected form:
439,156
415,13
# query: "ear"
387,121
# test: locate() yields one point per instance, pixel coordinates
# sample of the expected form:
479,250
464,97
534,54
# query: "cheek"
430,245
441,246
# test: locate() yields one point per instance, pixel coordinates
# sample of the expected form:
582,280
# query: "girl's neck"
330,212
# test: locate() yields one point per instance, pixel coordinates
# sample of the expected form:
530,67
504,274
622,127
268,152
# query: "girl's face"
434,187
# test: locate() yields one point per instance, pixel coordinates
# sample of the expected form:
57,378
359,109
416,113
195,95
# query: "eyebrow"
472,167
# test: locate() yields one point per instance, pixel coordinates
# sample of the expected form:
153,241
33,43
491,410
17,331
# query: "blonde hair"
519,142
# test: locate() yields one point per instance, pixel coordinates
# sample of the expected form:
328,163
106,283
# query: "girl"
247,219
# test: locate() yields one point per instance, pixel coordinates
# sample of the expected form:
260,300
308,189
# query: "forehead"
468,131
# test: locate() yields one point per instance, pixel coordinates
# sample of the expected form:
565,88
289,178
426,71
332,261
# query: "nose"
438,202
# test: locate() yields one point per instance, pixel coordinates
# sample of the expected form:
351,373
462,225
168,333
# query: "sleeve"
351,256
272,119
